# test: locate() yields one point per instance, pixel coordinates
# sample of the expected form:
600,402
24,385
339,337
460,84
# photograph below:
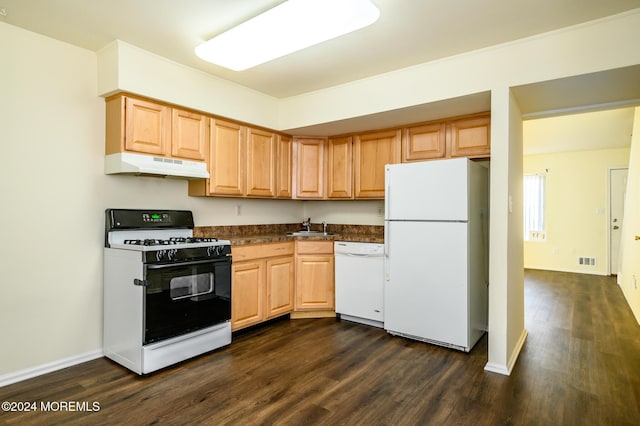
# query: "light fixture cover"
288,27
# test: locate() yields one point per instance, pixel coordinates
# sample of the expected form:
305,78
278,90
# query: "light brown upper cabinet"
310,167
226,159
462,137
260,165
340,168
284,167
424,142
372,151
147,127
470,137
245,162
189,135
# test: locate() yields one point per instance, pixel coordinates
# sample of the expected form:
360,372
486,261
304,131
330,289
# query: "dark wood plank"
580,365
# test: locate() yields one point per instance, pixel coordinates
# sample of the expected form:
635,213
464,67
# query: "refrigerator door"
426,283
428,190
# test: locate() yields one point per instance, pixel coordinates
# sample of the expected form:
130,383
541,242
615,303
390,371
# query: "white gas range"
167,294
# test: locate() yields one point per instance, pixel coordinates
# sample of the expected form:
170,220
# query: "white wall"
361,212
595,46
576,209
54,194
123,67
506,281
629,277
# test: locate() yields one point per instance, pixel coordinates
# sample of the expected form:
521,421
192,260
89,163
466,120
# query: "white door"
427,190
617,189
426,287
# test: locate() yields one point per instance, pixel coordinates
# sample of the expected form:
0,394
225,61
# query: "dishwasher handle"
362,255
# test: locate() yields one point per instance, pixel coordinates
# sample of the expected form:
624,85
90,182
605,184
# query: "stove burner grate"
170,241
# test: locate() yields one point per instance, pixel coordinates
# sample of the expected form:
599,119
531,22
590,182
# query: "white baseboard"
571,271
506,370
497,368
18,376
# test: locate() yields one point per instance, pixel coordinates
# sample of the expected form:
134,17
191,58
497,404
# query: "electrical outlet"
380,211
238,210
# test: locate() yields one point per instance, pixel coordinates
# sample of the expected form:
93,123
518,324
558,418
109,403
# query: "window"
533,197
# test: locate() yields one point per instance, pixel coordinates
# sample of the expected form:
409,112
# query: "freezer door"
425,292
428,190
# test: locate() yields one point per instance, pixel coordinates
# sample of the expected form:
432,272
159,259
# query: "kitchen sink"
308,233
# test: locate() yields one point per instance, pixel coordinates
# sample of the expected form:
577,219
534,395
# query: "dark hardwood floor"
580,365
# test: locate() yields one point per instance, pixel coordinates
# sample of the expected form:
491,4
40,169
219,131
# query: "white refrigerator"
436,251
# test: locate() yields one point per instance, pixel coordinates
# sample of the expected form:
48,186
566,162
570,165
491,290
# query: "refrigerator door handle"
387,195
387,241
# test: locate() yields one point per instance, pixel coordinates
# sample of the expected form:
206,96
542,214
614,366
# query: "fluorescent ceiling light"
287,28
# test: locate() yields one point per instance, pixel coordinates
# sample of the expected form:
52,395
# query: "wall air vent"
587,261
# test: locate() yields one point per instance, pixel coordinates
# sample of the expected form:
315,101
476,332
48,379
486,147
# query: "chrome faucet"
324,227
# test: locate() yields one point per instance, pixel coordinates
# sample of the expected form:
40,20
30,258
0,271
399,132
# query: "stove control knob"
159,255
171,254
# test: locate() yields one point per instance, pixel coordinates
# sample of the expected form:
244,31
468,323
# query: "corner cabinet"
468,136
372,151
147,127
262,283
309,172
314,276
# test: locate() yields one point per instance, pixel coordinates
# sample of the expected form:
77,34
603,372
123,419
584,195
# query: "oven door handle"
195,262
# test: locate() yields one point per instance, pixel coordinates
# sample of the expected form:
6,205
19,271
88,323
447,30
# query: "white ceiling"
584,131
408,32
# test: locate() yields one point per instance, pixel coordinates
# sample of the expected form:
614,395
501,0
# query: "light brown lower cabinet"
314,289
261,283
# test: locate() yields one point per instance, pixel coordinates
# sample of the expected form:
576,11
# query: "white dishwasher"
359,282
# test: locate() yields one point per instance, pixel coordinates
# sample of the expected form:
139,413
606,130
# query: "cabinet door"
314,282
260,165
279,297
340,168
147,127
189,135
226,159
247,287
284,164
309,171
470,137
372,151
424,142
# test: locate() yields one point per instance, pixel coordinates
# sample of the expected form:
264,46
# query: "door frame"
608,220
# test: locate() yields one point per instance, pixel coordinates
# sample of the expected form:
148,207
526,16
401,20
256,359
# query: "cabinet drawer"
261,251
314,247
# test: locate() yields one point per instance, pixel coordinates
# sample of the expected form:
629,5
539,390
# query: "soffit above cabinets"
408,32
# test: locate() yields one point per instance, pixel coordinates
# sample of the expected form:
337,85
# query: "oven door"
186,296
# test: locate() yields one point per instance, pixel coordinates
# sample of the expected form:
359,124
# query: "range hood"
139,164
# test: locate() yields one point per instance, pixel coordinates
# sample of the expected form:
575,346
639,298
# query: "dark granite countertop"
263,234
